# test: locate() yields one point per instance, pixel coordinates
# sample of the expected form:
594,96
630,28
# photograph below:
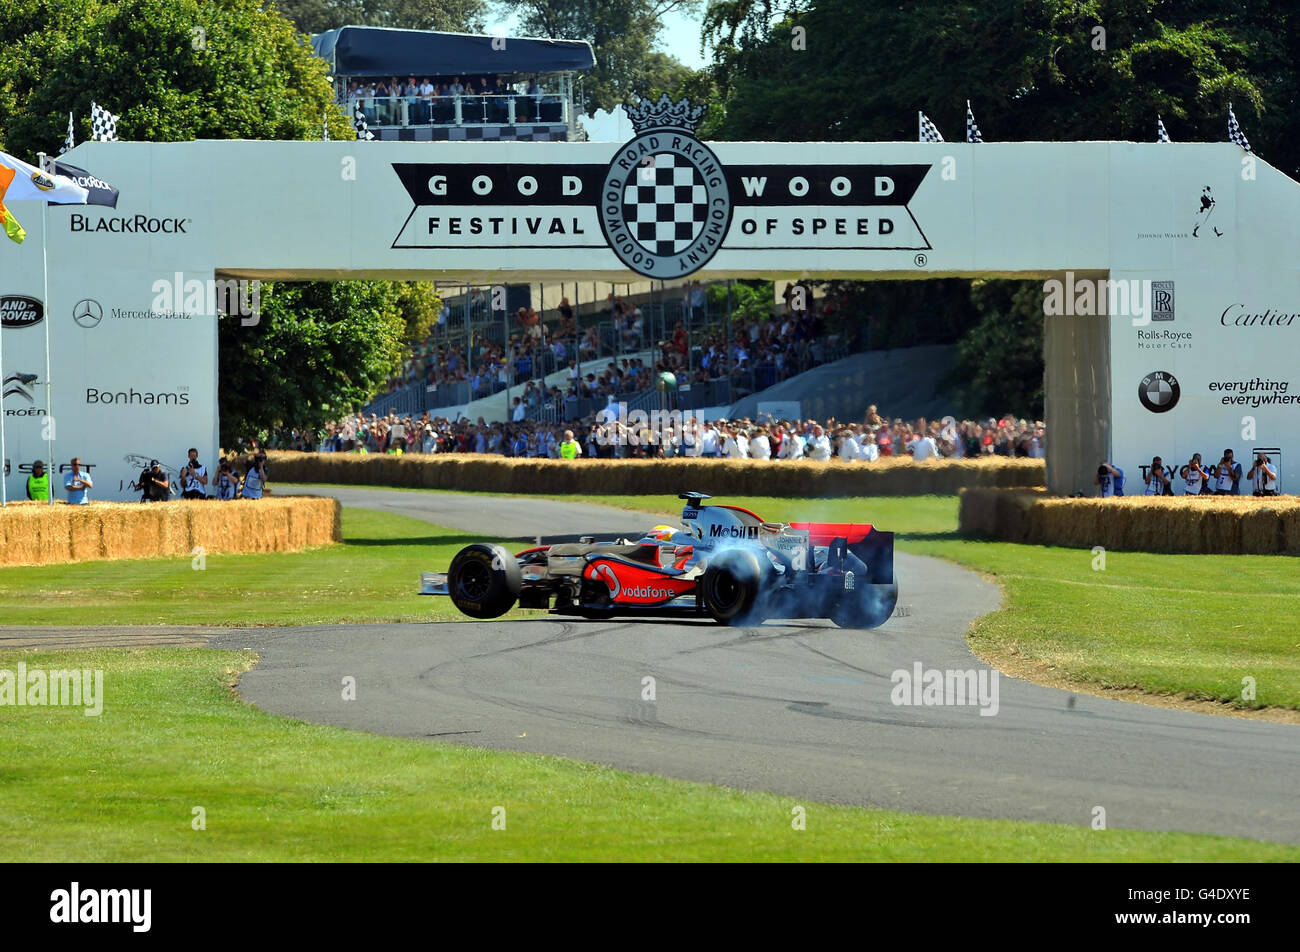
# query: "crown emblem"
664,114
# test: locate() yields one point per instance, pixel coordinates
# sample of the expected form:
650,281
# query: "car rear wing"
857,546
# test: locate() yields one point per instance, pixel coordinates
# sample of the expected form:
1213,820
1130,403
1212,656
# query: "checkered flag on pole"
69,142
1234,130
1161,134
103,124
929,132
360,124
972,130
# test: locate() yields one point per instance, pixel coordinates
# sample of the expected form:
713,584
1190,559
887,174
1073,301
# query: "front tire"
484,580
729,587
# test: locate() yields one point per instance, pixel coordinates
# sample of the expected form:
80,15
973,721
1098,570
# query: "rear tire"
868,607
729,587
484,580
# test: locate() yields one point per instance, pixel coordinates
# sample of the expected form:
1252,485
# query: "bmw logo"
1159,391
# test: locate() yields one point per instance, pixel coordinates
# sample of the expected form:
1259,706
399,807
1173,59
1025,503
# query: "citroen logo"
88,313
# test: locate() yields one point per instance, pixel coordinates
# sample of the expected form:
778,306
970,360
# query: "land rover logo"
664,204
1159,391
87,313
18,310
42,181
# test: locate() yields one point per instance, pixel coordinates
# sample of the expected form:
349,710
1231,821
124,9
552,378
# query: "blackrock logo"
129,224
1159,391
664,204
18,310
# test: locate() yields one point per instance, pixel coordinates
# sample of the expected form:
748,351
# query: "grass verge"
172,737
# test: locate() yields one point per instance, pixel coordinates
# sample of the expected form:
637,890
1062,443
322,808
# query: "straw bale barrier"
1236,525
33,533
893,476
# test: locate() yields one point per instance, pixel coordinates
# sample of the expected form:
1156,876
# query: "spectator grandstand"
422,85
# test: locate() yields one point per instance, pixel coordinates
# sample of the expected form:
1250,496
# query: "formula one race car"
724,563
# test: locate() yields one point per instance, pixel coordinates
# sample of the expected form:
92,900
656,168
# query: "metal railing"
446,110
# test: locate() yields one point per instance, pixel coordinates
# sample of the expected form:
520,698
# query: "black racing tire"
484,580
730,586
870,606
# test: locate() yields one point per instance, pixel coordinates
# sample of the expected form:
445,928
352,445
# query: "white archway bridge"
1173,328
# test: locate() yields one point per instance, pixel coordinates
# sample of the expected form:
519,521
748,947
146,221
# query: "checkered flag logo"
103,124
1161,134
69,142
1234,130
929,132
972,130
359,123
665,205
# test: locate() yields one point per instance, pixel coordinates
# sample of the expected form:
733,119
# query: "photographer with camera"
193,477
254,479
155,486
1227,476
1110,479
1263,475
1157,480
227,483
1195,478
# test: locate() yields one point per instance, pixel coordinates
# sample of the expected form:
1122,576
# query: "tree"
318,350
177,70
622,33
999,367
317,16
174,70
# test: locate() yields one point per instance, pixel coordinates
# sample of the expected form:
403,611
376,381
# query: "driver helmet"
662,533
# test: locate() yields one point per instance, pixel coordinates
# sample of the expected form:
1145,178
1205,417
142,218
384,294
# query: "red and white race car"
724,562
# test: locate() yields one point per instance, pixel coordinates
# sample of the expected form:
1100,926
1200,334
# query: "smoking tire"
729,587
484,580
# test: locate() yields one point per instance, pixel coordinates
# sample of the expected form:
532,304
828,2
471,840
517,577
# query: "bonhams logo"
664,204
18,310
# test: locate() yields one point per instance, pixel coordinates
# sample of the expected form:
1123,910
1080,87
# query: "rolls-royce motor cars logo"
664,204
1159,391
19,310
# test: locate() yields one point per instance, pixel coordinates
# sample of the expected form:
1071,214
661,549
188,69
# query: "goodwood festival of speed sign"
664,205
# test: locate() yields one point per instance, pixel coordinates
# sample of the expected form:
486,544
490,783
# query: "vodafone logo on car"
606,575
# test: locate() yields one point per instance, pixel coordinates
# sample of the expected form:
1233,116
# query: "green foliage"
419,303
622,34
317,16
317,351
174,70
750,300
999,365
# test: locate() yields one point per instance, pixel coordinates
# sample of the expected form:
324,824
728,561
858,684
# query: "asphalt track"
801,709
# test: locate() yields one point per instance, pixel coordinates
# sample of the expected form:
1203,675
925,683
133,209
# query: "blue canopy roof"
382,51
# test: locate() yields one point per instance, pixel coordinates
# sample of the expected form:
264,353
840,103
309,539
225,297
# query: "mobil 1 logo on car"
664,204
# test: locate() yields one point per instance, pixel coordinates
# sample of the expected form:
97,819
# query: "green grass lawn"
372,576
123,787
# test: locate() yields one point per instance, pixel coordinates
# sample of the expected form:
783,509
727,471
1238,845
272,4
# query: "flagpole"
4,457
49,404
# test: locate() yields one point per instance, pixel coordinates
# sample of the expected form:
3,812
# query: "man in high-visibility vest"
38,483
570,448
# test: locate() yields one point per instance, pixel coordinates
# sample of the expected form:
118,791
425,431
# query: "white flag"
31,184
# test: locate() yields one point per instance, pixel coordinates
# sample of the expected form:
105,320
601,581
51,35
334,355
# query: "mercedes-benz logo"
88,313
